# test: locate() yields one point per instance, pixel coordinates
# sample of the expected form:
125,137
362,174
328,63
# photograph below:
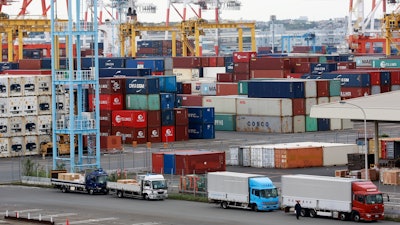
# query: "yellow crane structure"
19,28
186,29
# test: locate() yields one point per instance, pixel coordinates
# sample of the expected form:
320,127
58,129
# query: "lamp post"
365,135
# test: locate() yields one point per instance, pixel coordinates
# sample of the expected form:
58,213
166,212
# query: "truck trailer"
336,197
149,186
242,190
90,182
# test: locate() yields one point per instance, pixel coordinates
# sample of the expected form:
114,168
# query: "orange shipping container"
298,157
110,143
227,88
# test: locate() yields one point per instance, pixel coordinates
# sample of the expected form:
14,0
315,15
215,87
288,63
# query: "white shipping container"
208,88
30,125
335,154
322,100
335,99
365,61
267,124
4,127
191,74
29,84
310,102
17,126
264,106
299,124
15,86
15,106
4,87
222,104
5,147
375,89
347,124
211,72
263,156
195,86
395,87
335,124
31,145
17,146
233,156
44,105
30,105
4,107
310,88
244,156
256,157
44,124
44,85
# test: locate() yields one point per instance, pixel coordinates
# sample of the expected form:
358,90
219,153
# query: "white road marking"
91,220
57,215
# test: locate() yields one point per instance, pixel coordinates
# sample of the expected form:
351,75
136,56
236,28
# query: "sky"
256,10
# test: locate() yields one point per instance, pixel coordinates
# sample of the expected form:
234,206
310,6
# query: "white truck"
335,197
149,187
242,190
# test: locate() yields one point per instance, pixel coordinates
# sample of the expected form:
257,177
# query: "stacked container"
201,122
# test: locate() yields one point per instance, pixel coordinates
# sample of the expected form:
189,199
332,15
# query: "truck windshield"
269,193
101,179
159,184
374,199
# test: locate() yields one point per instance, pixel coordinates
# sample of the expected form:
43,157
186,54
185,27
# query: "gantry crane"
186,29
391,28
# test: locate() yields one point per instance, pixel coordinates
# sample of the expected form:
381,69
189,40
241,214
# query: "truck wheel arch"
120,194
224,205
304,212
313,213
355,216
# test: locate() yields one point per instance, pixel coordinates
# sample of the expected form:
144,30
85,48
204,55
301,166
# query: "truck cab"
367,202
154,186
263,194
96,182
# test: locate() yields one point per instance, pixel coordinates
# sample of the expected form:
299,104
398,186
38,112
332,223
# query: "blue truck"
242,190
91,182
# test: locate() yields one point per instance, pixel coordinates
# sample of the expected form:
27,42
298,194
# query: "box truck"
336,197
242,190
149,186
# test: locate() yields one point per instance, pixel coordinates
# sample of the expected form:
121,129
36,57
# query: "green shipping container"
334,87
311,124
225,122
322,59
243,87
143,102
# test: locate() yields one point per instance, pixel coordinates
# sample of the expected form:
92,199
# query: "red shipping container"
105,118
157,162
153,118
322,88
240,57
385,88
27,72
30,64
375,77
254,74
107,102
191,100
154,134
299,106
354,92
241,67
220,61
395,77
294,75
186,88
181,133
110,143
168,133
346,65
181,116
199,162
212,61
224,77
105,130
129,118
111,85
240,76
269,63
131,134
301,67
227,89
205,61
186,62
157,73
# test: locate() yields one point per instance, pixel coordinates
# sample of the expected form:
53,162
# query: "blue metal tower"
72,123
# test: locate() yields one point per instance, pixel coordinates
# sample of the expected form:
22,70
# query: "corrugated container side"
264,106
226,88
225,122
299,124
199,163
336,154
154,134
298,157
276,89
267,124
221,104
157,162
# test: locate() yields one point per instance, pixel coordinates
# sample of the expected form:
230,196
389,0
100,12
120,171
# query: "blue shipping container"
153,64
106,62
123,72
168,83
167,117
167,100
350,80
385,78
201,131
8,66
169,163
323,124
142,85
276,89
199,114
323,67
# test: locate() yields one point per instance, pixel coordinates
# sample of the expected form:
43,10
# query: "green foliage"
30,168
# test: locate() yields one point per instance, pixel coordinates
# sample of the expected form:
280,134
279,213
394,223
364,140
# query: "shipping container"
299,124
276,89
153,118
199,162
112,85
167,100
168,83
201,130
142,85
107,102
130,134
124,72
154,134
186,74
191,100
142,102
182,132
298,157
157,162
167,134
264,106
200,114
129,118
212,72
225,122
222,104
226,88
153,64
181,116
266,124
167,117
243,57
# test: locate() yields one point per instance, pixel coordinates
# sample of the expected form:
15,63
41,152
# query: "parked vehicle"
149,186
336,197
242,190
91,182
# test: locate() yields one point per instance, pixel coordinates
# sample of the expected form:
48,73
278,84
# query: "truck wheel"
255,208
146,197
304,212
313,214
343,216
91,191
356,217
64,189
119,194
224,205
